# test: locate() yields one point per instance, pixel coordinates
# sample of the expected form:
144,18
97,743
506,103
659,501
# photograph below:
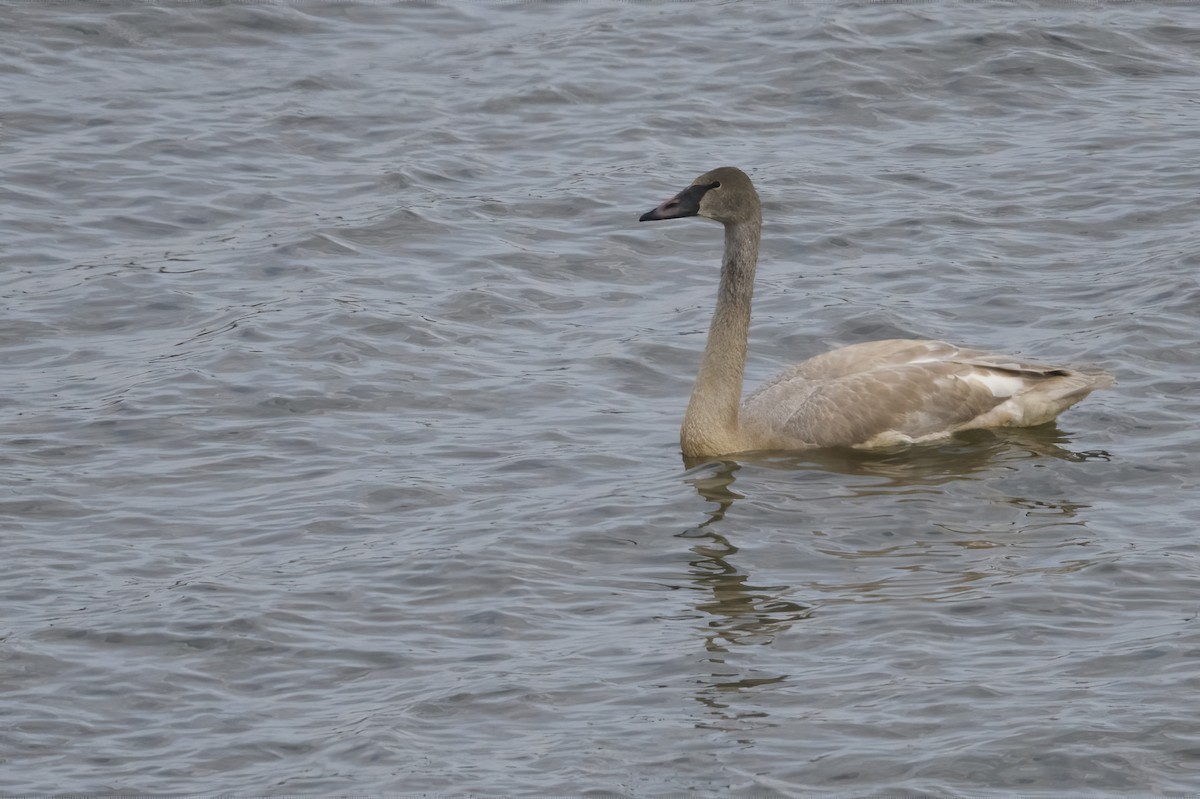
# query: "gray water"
342,390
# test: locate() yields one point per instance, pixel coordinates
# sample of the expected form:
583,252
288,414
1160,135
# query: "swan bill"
684,204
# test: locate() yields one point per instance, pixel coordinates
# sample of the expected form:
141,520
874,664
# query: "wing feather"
900,390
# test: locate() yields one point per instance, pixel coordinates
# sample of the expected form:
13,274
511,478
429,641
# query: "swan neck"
710,425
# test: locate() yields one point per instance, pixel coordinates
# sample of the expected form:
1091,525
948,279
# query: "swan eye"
716,184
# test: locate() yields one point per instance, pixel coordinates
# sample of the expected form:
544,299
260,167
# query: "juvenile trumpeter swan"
865,395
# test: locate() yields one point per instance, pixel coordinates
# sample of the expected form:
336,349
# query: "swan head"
724,194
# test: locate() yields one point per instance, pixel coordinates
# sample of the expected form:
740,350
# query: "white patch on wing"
1005,414
1000,385
888,438
891,438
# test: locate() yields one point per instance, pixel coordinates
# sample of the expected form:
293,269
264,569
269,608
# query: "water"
342,392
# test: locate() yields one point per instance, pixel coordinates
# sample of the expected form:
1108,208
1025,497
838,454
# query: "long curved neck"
710,426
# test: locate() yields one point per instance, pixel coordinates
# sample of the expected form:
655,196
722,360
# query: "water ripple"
343,393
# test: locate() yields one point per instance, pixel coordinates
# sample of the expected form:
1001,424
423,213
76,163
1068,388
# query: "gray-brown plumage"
865,395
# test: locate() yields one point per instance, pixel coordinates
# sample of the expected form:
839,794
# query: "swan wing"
901,391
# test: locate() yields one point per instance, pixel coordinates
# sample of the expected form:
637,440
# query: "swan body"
876,394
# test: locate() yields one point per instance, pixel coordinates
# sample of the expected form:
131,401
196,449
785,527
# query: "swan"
877,394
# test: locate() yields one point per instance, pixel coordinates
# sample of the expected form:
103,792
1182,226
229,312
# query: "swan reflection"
735,611
948,523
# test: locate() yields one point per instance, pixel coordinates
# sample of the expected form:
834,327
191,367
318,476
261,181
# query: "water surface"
339,438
